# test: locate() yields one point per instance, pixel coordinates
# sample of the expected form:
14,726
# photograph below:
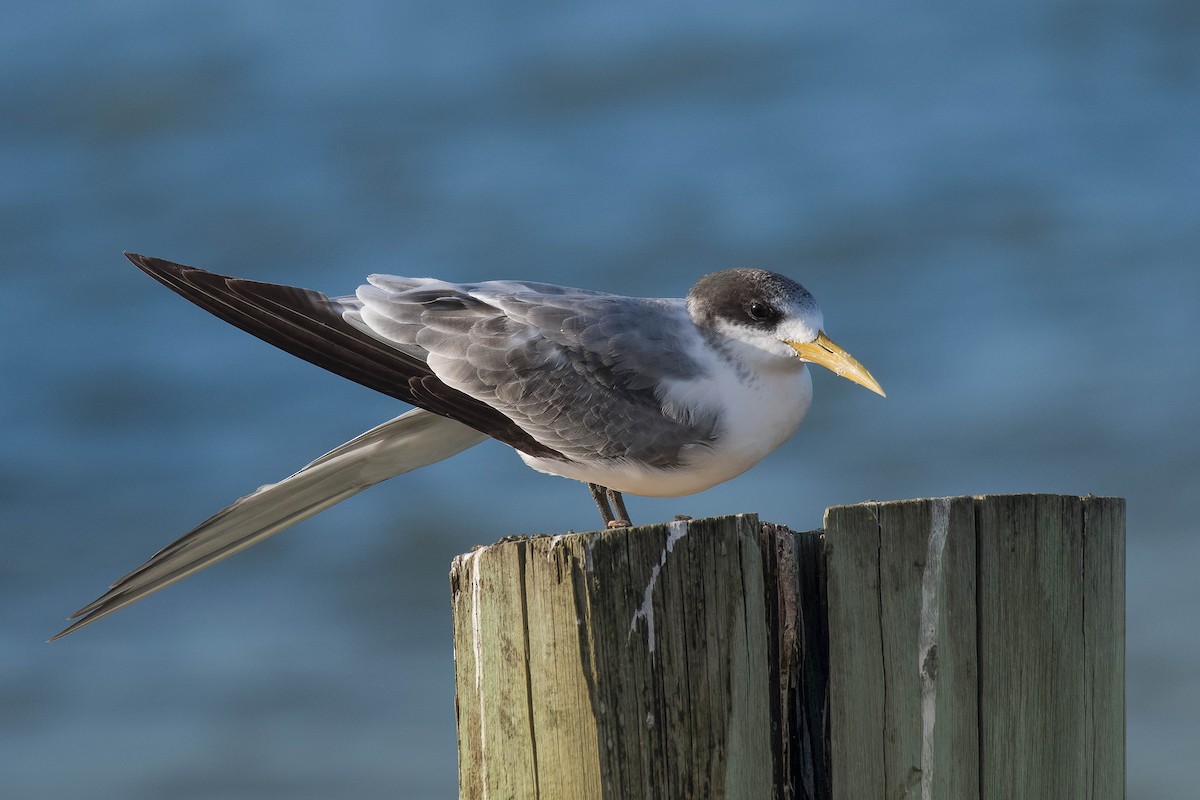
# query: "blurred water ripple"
996,207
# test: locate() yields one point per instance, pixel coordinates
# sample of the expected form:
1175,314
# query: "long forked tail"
405,443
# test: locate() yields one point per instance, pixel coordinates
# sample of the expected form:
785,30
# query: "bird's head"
774,314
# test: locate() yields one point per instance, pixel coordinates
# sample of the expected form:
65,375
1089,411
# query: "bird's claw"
618,523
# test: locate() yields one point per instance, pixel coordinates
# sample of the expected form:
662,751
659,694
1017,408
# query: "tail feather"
405,443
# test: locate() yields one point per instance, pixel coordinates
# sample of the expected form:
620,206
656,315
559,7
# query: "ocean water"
997,208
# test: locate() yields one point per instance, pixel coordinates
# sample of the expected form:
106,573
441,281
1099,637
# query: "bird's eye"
758,310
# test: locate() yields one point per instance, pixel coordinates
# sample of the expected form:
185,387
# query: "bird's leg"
601,498
622,520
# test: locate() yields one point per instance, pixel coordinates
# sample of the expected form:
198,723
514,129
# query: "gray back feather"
578,370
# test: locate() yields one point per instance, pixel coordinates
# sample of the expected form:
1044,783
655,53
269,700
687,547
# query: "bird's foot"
683,518
618,523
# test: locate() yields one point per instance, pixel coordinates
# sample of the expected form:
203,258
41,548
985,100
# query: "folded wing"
311,326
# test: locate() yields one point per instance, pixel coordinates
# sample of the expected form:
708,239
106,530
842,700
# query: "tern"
660,397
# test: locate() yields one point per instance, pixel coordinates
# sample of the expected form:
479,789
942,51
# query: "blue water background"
998,206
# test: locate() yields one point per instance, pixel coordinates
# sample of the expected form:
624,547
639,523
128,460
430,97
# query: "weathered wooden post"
639,663
974,649
977,648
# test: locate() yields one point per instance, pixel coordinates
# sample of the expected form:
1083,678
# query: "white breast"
758,411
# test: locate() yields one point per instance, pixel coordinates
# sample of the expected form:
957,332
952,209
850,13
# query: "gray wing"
533,365
581,372
311,326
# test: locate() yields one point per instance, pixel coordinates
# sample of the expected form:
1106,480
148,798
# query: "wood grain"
977,647
638,662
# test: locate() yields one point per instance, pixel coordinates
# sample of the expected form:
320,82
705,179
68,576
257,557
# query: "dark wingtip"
138,259
151,265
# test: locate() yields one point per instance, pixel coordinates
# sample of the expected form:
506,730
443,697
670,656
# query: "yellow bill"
828,354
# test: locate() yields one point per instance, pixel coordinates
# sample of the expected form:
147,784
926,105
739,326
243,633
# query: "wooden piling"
638,662
952,648
977,648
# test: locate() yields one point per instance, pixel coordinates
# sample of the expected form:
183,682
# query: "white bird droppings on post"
477,647
676,531
927,657
587,553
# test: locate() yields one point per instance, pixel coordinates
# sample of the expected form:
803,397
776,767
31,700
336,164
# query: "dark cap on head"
752,297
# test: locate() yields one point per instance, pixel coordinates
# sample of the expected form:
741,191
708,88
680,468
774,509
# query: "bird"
659,397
